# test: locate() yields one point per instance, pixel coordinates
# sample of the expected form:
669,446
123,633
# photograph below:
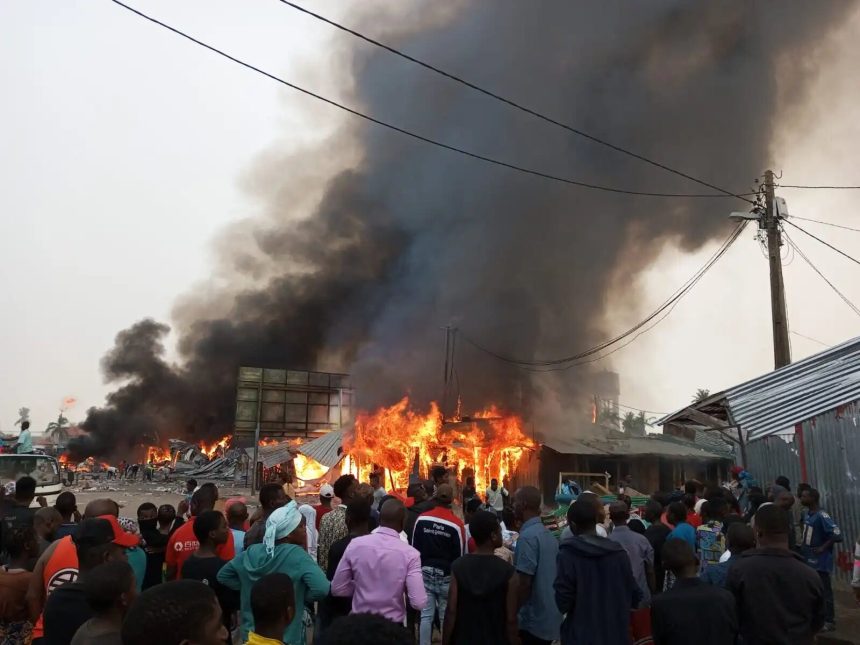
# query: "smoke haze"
359,269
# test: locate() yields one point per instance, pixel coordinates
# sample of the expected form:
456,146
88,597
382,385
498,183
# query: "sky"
127,150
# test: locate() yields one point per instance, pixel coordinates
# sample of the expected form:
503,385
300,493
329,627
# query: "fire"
489,445
268,441
90,465
154,454
64,459
307,468
211,450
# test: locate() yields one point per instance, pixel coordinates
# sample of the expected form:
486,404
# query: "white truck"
43,468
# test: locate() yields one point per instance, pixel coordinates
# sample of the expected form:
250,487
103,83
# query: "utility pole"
450,351
446,371
770,223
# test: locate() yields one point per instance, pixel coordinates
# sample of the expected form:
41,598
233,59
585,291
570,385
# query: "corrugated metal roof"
714,442
272,454
571,446
327,450
777,401
659,445
666,446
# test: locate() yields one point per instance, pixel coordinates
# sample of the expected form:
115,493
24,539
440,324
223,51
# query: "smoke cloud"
359,270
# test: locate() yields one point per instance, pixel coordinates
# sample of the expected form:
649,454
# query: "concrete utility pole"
770,223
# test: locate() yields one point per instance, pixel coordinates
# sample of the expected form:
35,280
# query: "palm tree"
634,424
701,395
59,430
606,416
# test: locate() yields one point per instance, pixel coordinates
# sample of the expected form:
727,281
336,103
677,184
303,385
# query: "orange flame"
89,464
211,450
392,438
155,454
307,468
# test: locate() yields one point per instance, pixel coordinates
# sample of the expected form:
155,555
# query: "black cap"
93,532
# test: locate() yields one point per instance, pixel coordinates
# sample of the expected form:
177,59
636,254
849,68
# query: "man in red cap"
58,565
96,541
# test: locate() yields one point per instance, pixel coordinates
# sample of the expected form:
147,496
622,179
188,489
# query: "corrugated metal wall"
771,457
832,442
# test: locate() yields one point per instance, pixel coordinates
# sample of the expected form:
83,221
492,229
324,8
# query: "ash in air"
410,238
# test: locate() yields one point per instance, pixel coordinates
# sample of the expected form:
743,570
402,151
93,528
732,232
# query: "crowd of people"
704,564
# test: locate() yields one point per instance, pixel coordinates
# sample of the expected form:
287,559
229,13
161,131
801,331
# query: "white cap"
326,490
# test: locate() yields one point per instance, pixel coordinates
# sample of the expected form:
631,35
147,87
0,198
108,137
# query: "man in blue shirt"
820,533
535,563
25,440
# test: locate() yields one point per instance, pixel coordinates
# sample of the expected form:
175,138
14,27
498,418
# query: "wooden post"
781,347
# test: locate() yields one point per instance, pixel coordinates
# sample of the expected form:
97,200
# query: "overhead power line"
665,308
722,191
814,340
409,133
818,221
827,244
819,187
844,298
632,407
599,357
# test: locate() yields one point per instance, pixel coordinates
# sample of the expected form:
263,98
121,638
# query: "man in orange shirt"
59,564
183,542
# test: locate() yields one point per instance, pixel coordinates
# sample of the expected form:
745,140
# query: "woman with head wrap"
310,515
283,551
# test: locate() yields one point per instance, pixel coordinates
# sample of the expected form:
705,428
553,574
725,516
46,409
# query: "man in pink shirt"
378,569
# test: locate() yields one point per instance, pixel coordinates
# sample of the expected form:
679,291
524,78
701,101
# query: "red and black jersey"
440,538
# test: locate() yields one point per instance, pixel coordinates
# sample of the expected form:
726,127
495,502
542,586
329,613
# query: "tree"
58,430
606,416
634,424
23,415
701,395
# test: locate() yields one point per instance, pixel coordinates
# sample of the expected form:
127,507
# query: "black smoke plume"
410,238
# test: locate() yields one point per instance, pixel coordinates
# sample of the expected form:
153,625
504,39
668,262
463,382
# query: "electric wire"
722,192
825,243
844,298
632,407
597,359
415,135
814,340
818,187
818,221
665,308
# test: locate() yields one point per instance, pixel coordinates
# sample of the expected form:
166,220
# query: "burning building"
404,442
294,407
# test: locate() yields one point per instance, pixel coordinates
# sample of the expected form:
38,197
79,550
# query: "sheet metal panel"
832,442
833,461
327,450
778,400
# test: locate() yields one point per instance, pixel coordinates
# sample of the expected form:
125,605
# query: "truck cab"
43,468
